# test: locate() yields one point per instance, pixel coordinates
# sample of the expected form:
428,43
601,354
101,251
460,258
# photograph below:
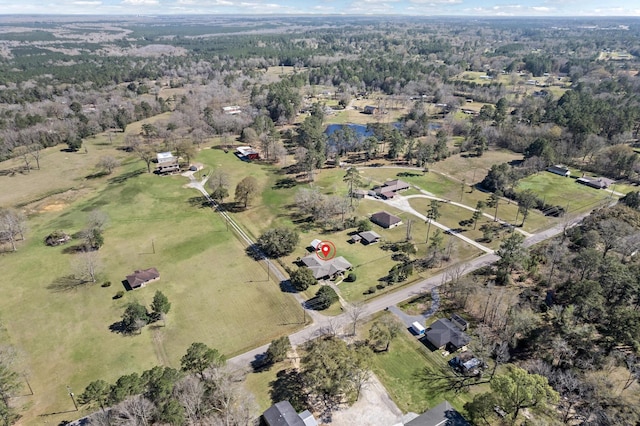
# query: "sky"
322,7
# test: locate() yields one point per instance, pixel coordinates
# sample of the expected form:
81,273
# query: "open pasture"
62,332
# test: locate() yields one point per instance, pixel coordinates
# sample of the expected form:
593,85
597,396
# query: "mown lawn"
564,192
219,295
473,169
405,371
444,187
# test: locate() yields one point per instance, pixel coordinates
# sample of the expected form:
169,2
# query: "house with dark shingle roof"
282,414
441,415
559,169
444,334
326,269
140,278
386,219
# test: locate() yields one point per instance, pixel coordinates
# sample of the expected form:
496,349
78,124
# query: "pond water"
361,129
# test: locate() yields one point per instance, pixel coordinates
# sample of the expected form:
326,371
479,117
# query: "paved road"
382,302
320,322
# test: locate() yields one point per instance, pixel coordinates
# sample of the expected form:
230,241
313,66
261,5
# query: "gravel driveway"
374,408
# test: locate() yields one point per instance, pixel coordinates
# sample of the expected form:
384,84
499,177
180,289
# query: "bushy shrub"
325,297
119,295
106,284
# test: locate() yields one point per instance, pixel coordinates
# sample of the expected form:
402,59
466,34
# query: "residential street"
322,323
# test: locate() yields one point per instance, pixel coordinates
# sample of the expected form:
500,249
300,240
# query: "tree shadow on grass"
233,207
287,287
289,386
285,183
118,328
66,283
126,176
254,252
96,175
200,202
261,363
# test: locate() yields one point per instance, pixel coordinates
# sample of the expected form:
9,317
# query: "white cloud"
141,2
542,8
87,3
435,2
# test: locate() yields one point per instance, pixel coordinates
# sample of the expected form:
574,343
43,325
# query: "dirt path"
158,346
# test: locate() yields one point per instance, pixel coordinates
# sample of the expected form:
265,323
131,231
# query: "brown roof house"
595,182
389,189
140,278
386,220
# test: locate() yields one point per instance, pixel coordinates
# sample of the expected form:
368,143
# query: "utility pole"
75,404
26,379
153,246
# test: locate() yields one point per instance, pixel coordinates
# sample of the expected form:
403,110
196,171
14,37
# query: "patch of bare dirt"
57,202
374,408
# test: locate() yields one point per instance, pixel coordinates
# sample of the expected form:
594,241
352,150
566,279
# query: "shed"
247,153
356,238
315,243
358,193
370,237
559,169
418,328
369,109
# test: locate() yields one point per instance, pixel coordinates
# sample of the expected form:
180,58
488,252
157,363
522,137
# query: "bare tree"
97,220
35,149
12,225
146,153
219,179
25,153
355,311
88,266
136,410
108,163
190,393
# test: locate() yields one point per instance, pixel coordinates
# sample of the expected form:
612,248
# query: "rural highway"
322,323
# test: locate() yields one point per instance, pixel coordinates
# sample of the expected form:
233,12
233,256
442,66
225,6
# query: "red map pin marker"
326,250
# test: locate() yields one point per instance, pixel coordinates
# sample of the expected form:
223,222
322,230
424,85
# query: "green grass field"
445,187
470,168
219,296
403,371
562,191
